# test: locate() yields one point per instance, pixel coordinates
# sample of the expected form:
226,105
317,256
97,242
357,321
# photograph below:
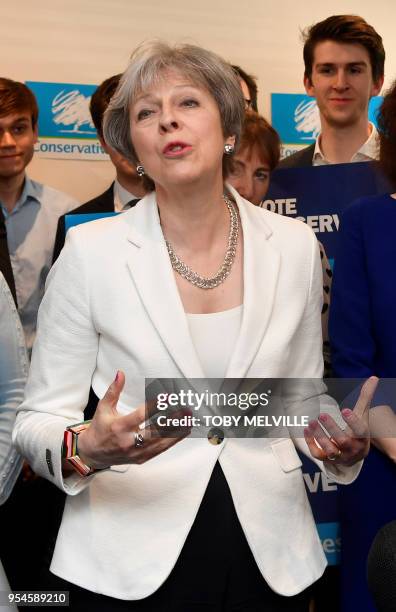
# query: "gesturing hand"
113,439
347,446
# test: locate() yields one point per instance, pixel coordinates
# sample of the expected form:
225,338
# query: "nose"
341,81
7,139
168,121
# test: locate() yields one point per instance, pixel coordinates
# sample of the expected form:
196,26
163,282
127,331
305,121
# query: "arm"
352,343
352,340
63,362
13,372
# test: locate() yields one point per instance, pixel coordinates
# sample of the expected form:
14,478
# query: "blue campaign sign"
318,195
71,220
296,117
64,109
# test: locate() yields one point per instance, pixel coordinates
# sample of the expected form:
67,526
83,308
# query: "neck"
133,184
339,145
193,217
10,190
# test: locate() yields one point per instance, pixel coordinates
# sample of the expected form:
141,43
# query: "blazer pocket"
286,455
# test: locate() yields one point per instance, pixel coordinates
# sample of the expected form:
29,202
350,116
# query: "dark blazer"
102,203
301,159
362,312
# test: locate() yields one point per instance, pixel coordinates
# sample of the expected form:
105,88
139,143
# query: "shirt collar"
122,197
367,152
29,192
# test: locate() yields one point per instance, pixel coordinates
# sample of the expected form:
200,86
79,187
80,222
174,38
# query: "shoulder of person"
300,159
367,206
57,202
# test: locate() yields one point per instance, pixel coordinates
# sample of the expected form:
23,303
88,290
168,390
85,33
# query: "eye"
190,102
355,69
144,113
262,175
236,169
19,129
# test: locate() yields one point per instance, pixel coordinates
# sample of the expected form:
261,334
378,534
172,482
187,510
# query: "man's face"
342,83
17,140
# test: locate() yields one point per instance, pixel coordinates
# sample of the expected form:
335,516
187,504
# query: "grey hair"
147,64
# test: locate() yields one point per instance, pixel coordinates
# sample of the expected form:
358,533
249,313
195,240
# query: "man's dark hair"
251,85
349,29
387,135
100,101
16,97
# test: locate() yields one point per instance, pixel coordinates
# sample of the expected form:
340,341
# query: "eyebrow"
330,64
152,96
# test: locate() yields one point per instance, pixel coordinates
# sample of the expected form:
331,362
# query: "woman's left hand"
343,446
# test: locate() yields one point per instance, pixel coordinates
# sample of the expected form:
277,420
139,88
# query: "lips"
176,148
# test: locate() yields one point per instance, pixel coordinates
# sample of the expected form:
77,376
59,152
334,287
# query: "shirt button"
215,436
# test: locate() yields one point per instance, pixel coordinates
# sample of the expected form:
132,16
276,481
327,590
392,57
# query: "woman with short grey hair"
194,283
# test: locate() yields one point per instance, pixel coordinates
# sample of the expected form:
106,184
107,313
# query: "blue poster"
318,195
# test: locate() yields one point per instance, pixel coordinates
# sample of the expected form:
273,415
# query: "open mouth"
174,149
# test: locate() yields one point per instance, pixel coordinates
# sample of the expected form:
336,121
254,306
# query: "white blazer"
112,303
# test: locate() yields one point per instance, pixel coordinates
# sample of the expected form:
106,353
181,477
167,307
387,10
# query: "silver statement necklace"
204,282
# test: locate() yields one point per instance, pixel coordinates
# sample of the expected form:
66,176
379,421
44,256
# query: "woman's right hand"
111,439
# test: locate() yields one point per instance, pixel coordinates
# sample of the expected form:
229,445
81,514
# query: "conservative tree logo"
66,130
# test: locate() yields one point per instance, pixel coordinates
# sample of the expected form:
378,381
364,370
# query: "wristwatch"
70,448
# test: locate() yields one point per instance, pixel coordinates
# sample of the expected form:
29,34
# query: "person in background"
13,374
344,68
363,340
128,187
30,209
256,157
249,88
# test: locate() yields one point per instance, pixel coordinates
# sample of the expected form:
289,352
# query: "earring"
228,149
140,170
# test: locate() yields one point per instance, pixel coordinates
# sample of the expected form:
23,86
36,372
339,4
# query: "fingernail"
323,418
346,412
117,376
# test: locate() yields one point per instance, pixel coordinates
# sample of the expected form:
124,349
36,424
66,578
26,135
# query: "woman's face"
251,175
177,133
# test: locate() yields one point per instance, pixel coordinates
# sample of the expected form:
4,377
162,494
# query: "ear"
35,133
309,88
103,145
230,140
377,86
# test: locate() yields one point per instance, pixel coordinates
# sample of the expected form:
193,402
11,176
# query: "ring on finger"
334,456
139,439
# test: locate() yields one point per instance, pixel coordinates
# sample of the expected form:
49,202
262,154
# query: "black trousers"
215,572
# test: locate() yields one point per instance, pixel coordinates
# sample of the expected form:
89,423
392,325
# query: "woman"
257,156
174,289
363,340
13,373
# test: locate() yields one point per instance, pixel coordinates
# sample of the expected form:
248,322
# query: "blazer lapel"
153,276
261,269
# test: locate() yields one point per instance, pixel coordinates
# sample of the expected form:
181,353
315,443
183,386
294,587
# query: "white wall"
85,41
